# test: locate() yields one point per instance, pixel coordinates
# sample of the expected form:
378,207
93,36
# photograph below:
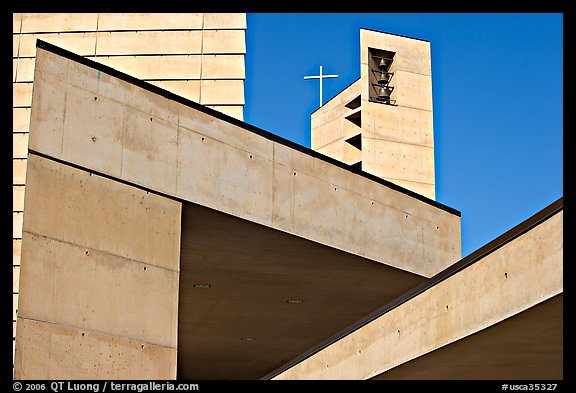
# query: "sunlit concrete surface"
394,142
498,317
199,56
175,241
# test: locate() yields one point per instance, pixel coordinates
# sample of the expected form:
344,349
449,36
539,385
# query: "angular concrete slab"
496,314
98,118
294,246
527,346
271,295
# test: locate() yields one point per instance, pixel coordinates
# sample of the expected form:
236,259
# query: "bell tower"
383,122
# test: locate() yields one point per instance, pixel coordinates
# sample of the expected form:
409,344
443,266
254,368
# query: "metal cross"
320,77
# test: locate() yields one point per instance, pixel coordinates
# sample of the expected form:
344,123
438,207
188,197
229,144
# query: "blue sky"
497,99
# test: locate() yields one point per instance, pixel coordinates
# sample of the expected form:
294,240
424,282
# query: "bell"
384,93
384,78
383,63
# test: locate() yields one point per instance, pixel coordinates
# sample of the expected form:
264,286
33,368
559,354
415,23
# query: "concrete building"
175,241
383,122
199,56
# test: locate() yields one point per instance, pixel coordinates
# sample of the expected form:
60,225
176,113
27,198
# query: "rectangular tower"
383,122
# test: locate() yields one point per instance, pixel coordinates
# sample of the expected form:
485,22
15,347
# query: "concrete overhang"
280,246
495,315
271,295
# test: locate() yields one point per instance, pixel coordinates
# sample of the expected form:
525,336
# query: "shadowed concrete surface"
250,320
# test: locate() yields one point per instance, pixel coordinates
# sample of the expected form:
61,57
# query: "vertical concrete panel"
99,291
242,186
148,42
46,351
17,218
14,306
15,278
19,145
282,196
149,151
94,208
58,22
221,91
196,161
223,41
318,206
16,251
223,67
18,171
21,94
48,98
93,131
16,22
18,198
87,276
224,20
20,119
155,67
189,89
15,45
24,69
148,21
83,44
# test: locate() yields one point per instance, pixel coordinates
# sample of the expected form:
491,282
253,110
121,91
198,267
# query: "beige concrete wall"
330,128
521,274
97,121
98,239
98,279
199,56
397,141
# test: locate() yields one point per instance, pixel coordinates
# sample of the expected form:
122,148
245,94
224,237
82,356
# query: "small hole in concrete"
372,203
250,155
335,188
93,139
294,173
87,252
142,345
150,119
437,227
202,138
406,215
83,334
95,98
398,332
446,307
144,267
506,275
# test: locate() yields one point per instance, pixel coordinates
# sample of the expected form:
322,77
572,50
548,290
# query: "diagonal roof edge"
248,127
470,259
336,95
